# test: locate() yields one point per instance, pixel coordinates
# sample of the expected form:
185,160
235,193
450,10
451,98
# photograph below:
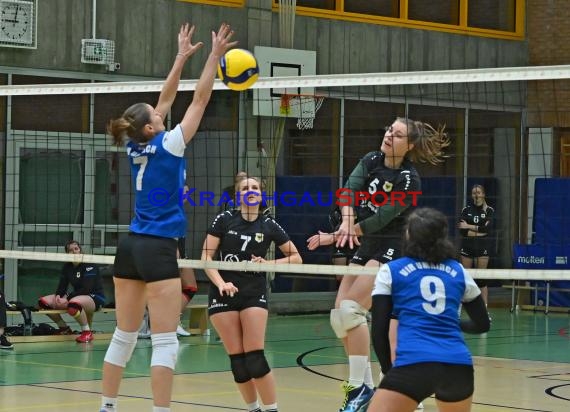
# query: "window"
492,14
439,11
228,3
502,19
49,112
388,8
317,4
51,186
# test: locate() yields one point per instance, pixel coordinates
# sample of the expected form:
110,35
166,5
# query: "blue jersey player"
424,290
146,270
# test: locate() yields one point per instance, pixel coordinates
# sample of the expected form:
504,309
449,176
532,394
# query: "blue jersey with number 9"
426,299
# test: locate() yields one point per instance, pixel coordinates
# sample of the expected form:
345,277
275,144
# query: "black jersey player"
237,302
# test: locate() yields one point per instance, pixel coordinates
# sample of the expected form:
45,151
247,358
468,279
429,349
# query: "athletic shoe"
85,337
356,399
180,331
420,406
5,343
65,330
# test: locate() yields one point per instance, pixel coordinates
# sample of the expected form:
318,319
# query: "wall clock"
18,23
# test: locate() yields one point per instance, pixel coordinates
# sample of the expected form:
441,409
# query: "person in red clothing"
86,297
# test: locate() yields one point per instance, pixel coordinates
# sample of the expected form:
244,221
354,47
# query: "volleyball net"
509,130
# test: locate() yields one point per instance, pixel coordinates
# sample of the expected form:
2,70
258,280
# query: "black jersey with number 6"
476,215
239,241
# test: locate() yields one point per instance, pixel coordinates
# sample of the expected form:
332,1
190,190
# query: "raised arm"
220,44
170,87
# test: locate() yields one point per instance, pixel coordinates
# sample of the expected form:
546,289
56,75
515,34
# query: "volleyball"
238,69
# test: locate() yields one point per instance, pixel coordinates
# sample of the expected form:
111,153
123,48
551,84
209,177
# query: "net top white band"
332,80
307,269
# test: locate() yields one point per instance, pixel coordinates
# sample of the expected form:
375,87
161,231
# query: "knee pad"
42,303
164,349
189,292
121,347
239,368
74,309
257,364
348,316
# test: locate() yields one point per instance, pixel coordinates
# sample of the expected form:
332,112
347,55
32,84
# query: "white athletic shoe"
180,331
420,406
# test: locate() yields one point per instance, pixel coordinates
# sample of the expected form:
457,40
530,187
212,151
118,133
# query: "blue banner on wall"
538,256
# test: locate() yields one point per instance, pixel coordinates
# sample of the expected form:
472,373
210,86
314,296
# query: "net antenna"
306,105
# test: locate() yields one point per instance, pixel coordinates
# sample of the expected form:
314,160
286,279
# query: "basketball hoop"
302,106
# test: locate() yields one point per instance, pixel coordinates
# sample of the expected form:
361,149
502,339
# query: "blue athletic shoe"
356,398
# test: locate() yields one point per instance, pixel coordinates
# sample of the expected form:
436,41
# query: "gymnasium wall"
145,31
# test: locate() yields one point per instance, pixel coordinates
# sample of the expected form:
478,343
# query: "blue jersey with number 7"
157,172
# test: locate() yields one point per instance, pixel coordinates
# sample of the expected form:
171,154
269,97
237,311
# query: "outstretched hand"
221,40
185,46
345,235
320,239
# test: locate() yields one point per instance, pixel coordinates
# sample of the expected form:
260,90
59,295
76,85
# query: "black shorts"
148,258
99,301
343,252
182,248
449,382
476,246
219,304
382,249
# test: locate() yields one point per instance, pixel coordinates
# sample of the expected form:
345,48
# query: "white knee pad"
164,349
348,316
121,347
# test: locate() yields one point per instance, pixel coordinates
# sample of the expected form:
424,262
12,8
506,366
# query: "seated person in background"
4,342
85,299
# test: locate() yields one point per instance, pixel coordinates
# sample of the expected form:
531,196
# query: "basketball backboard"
277,62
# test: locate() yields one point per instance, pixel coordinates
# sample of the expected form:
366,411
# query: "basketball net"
305,105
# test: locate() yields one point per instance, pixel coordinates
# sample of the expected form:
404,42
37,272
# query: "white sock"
271,407
368,376
160,409
108,404
357,367
85,327
253,406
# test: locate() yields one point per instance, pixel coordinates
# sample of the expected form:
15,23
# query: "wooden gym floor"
521,365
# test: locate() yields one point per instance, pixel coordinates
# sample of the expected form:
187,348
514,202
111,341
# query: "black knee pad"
239,368
257,364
